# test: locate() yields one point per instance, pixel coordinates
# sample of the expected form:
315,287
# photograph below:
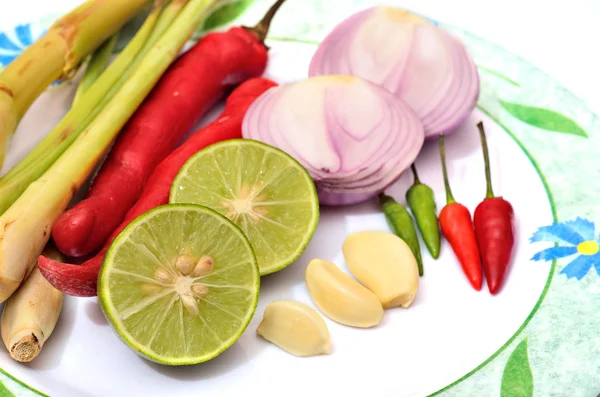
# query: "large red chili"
193,84
494,228
80,280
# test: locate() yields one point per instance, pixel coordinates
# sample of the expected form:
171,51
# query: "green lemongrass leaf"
545,119
95,66
517,379
130,29
224,15
221,16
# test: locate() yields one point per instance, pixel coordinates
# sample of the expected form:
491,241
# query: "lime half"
265,191
180,284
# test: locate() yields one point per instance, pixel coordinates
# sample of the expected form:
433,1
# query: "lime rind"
284,262
112,314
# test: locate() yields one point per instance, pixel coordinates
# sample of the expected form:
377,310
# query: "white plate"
449,330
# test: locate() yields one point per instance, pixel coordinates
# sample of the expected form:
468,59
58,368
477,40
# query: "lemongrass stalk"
25,227
37,161
55,55
31,313
95,66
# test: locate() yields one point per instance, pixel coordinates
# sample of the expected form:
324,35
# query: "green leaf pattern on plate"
545,119
4,392
517,380
499,75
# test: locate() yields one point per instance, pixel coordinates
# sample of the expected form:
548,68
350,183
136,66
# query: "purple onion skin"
443,94
353,137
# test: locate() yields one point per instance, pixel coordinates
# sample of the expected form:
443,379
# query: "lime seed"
203,267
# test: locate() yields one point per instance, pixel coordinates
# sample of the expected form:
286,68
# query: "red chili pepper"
80,280
192,85
457,227
494,228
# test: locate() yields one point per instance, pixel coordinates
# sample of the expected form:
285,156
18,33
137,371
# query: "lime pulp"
179,284
260,188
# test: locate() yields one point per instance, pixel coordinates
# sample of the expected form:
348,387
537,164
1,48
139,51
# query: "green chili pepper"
402,224
421,201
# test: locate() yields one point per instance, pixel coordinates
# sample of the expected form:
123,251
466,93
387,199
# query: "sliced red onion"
354,137
419,62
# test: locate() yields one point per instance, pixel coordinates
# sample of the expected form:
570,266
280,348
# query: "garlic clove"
295,328
384,264
340,297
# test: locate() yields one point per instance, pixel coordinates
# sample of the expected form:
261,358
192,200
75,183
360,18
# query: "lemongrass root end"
25,349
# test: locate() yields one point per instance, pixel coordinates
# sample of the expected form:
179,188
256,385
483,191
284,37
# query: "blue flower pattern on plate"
11,48
575,237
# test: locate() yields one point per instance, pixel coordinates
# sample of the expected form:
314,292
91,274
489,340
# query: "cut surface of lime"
179,284
265,191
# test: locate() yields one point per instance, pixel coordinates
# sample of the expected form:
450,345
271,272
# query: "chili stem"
486,158
415,174
262,28
383,198
449,197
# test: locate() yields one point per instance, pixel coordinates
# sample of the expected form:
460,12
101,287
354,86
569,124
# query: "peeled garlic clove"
383,263
340,297
296,328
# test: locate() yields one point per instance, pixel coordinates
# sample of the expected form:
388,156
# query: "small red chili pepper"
494,228
457,227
